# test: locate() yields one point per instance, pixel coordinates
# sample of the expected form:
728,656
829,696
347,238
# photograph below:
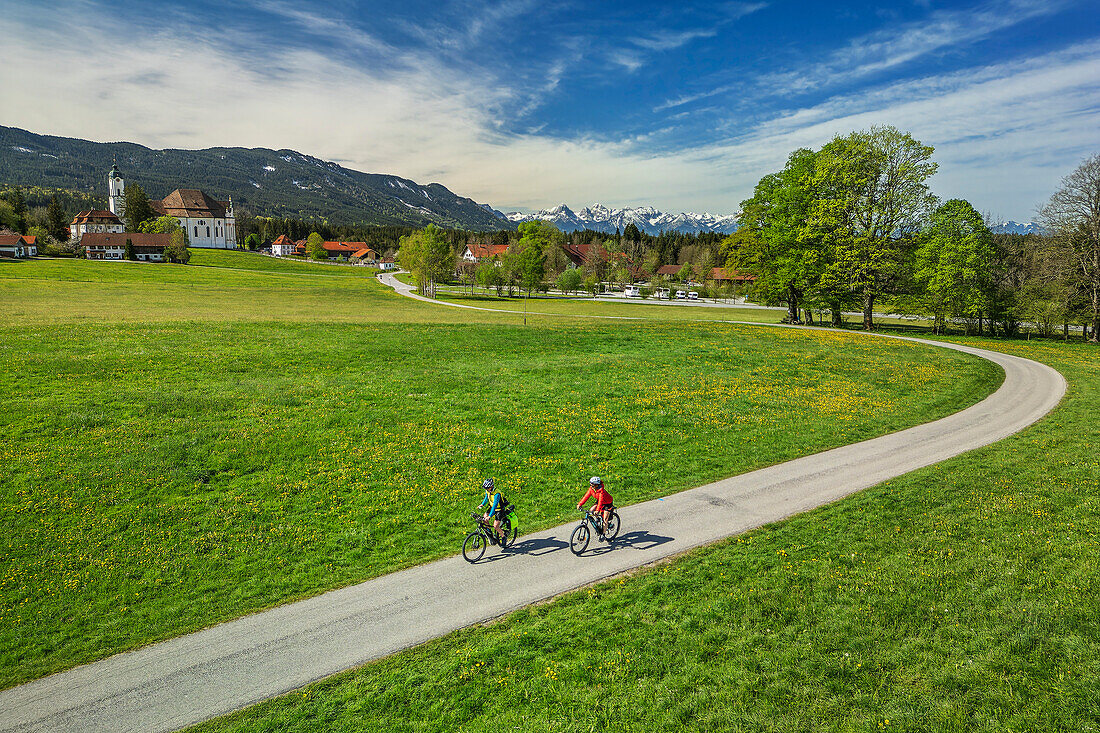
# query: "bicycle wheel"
510,534
578,543
612,530
474,547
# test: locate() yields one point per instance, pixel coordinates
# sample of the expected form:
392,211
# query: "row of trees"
841,227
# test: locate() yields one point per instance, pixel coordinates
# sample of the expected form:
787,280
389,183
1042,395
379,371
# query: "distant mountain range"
600,218
1012,227
266,182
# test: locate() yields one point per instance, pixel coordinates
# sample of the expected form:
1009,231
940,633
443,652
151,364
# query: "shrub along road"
195,677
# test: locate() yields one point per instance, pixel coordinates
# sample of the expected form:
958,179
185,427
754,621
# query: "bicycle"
484,535
582,535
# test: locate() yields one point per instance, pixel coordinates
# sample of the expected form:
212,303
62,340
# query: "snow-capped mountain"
600,218
1012,227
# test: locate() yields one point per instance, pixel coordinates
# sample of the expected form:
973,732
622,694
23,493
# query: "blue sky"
524,104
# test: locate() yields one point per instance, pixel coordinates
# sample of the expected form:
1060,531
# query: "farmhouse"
283,246
388,264
18,246
335,250
669,270
94,220
366,256
112,246
482,252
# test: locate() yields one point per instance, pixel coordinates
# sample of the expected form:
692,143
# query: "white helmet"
595,481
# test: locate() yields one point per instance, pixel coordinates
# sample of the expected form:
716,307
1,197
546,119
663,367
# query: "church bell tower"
117,188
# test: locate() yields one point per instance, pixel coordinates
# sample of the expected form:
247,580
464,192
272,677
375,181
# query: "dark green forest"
262,182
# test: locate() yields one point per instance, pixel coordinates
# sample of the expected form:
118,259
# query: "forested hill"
282,183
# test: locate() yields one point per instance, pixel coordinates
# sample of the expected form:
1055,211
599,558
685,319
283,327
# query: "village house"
95,221
387,264
283,246
481,252
335,250
112,246
18,246
366,257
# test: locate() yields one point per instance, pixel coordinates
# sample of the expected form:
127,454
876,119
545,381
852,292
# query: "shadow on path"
637,540
533,547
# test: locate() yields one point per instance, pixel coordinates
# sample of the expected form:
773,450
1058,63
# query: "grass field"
162,470
962,597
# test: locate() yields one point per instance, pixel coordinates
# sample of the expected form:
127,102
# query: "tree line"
845,226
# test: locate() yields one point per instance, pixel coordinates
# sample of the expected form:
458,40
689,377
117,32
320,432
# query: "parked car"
693,295
662,294
632,291
680,295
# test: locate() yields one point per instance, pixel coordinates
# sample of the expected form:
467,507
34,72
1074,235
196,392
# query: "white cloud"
1004,134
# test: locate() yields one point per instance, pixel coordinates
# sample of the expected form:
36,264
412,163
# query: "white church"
209,223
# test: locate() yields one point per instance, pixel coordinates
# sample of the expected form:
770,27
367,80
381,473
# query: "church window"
196,231
208,231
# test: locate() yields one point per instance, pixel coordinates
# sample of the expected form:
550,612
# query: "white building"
95,221
18,245
209,223
283,246
116,190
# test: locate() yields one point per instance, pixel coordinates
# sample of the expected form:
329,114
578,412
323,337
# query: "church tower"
117,188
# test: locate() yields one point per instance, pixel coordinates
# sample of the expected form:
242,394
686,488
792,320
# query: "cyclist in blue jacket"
497,507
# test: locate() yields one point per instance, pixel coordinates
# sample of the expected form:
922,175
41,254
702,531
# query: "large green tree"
773,243
871,198
1072,217
138,208
315,246
953,262
18,204
177,251
428,256
161,225
525,260
55,219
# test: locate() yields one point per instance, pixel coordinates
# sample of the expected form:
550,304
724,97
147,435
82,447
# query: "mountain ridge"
648,219
266,182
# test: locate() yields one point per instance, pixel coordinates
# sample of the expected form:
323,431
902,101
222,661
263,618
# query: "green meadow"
183,445
961,597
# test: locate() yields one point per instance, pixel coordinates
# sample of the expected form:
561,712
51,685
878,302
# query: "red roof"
348,247
283,239
670,270
487,251
364,253
14,240
96,216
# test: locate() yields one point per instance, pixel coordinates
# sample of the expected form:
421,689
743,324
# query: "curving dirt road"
192,678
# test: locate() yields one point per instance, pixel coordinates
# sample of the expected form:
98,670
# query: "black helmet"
488,485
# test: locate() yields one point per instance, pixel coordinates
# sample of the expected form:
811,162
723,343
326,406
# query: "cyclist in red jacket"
603,501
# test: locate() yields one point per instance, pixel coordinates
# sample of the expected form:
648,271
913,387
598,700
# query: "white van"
680,295
632,291
693,295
